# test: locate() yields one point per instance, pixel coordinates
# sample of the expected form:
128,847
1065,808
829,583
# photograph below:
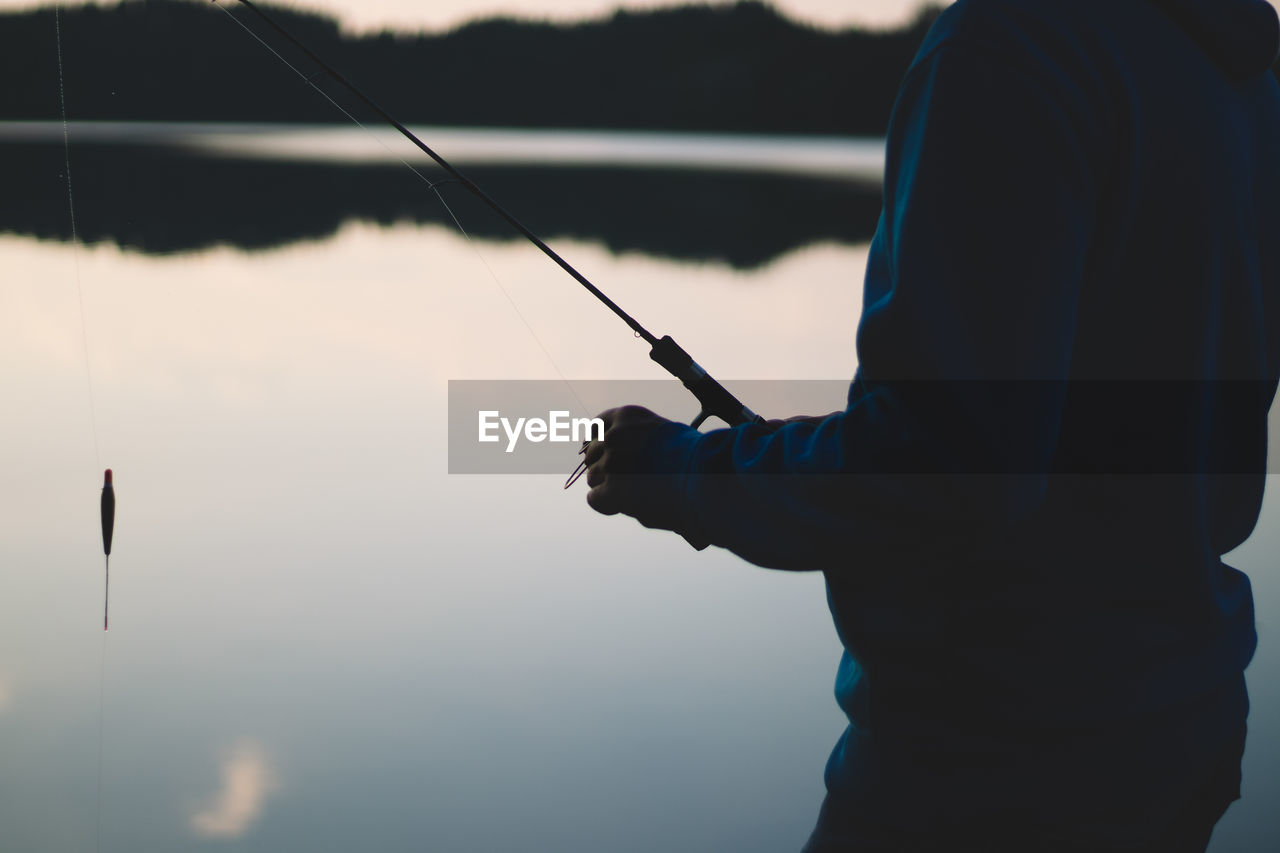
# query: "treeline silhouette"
740,68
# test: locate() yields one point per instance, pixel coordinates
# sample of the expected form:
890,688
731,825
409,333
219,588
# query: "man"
1069,345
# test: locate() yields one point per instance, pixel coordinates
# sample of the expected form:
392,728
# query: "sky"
362,15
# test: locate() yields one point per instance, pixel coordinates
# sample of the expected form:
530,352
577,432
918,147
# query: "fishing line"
102,692
75,240
431,185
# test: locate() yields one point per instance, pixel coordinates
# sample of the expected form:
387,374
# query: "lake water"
320,639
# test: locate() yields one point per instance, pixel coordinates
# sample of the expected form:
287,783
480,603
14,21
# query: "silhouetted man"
1069,345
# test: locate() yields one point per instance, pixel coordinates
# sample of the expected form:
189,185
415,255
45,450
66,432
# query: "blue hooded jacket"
1069,344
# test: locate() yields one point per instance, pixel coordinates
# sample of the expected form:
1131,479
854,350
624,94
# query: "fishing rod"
714,398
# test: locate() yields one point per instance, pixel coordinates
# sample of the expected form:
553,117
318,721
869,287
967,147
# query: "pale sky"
443,14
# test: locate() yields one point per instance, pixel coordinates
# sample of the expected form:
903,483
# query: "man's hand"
617,482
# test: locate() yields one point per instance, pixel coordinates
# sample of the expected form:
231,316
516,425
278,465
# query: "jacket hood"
1241,36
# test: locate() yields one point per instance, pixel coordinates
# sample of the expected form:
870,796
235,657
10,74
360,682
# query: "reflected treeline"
742,68
164,200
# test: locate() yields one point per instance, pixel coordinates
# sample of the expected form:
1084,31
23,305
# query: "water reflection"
246,781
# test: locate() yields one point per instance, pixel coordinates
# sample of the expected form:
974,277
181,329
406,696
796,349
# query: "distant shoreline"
742,68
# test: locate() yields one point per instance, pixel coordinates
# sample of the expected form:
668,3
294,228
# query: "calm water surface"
834,158
322,641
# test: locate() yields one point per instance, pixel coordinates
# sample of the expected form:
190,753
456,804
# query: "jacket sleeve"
966,336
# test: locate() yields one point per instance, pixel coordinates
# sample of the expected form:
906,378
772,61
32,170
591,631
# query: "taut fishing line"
434,186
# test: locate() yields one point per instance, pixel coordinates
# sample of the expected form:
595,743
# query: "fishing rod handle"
715,399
